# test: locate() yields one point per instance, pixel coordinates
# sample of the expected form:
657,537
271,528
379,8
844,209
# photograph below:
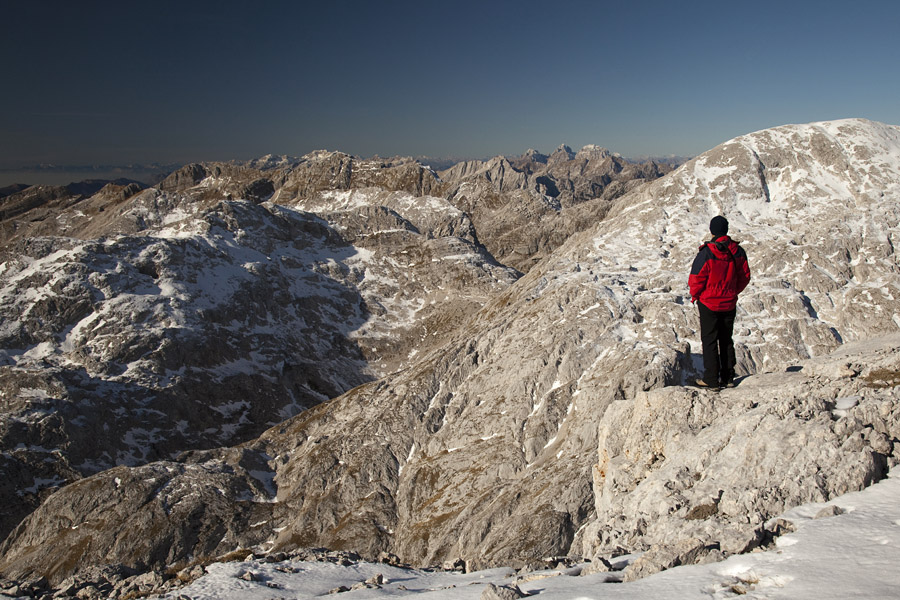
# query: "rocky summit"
548,417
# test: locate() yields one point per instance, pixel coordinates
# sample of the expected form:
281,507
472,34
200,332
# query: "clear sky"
156,81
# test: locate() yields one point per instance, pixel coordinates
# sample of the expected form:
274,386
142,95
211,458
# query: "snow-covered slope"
852,554
209,321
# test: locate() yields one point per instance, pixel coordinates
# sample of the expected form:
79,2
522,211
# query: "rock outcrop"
45,210
710,470
335,171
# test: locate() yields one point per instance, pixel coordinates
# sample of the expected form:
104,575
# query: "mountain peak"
273,161
593,152
561,154
535,156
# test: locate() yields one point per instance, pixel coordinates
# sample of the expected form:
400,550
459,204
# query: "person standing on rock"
719,273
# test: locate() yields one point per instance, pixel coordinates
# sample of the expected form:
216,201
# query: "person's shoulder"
704,255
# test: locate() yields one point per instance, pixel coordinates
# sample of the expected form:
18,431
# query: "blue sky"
121,82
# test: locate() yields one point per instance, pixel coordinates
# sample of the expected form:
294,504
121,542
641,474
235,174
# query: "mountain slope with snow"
483,449
193,322
227,298
526,207
847,548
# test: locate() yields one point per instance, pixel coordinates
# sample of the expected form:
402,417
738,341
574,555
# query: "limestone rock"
692,464
562,154
228,493
525,208
667,555
829,511
15,188
502,592
49,210
327,171
597,564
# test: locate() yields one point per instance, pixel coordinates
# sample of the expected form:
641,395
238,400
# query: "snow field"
854,554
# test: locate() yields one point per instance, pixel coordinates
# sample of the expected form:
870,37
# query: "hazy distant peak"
273,161
561,154
592,152
316,155
535,156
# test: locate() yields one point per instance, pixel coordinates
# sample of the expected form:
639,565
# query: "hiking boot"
702,383
727,379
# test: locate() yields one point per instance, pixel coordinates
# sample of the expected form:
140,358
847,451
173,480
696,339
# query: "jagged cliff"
485,447
526,207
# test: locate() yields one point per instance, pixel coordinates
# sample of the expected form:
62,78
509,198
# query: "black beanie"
718,226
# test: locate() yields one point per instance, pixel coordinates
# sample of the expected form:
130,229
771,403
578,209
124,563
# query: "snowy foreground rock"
483,448
844,549
698,474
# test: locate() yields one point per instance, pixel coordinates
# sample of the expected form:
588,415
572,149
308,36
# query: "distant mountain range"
153,173
56,175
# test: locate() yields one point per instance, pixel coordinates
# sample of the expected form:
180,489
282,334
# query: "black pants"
716,329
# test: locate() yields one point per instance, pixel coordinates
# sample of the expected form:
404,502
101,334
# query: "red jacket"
719,273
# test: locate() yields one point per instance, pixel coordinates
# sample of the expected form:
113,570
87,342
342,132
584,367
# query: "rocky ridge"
139,324
688,476
255,290
482,449
526,207
34,210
